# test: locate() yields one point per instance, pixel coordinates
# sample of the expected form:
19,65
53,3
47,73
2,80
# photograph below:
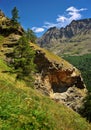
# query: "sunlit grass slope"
24,108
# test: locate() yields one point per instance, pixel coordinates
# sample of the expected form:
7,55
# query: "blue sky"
39,15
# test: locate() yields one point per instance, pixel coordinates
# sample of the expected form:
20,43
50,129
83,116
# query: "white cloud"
73,9
82,9
74,13
61,18
49,25
71,13
37,30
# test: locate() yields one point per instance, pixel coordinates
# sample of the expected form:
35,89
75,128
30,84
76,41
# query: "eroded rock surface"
63,83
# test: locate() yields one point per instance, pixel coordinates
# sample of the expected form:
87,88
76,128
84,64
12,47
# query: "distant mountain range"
74,39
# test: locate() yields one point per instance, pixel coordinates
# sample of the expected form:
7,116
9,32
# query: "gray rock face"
64,34
72,98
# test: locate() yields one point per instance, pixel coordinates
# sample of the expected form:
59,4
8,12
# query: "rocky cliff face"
55,77
59,80
74,33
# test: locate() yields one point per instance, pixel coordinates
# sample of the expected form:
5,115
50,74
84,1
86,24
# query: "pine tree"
23,64
15,15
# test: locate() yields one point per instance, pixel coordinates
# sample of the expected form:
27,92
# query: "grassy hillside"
83,63
23,108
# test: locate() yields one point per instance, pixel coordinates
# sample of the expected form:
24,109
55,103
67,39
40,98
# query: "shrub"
85,110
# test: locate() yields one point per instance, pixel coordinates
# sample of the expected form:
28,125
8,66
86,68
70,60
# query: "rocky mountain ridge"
77,32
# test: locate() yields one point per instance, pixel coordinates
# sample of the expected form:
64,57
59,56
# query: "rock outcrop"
10,32
8,27
60,80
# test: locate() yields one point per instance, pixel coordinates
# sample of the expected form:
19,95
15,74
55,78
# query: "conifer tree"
15,15
24,59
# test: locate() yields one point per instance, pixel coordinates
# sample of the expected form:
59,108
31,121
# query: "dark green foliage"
23,59
15,16
85,111
30,35
83,63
